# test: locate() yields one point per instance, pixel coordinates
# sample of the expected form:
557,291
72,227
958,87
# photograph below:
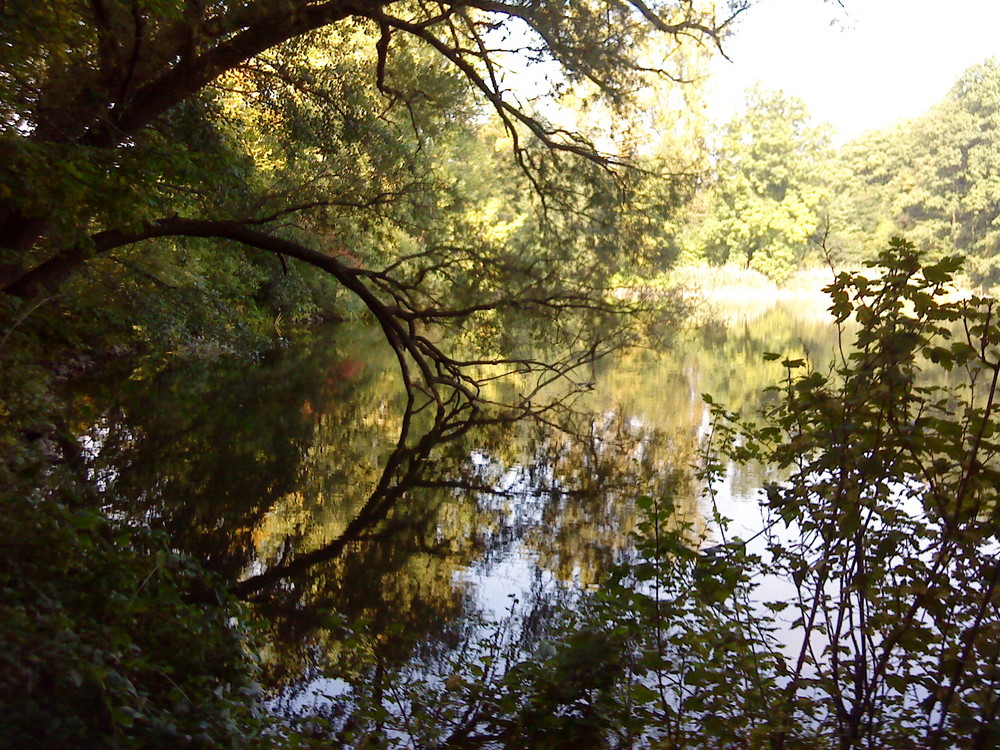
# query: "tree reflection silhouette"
307,485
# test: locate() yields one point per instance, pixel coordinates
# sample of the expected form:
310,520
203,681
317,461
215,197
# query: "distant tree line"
781,193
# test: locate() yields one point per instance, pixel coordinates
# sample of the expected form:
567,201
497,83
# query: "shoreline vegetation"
198,179
726,295
720,286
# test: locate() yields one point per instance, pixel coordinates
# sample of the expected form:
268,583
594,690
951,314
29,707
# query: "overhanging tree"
275,124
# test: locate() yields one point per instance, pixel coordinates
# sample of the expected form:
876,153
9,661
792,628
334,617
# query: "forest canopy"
782,197
175,155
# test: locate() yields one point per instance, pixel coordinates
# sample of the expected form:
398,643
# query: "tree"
862,614
935,178
860,224
766,202
134,128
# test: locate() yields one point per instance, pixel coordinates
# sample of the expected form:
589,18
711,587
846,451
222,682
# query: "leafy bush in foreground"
110,639
865,614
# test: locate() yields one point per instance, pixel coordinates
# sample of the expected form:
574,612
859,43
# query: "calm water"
285,477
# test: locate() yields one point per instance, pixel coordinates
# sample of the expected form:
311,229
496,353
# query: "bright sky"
861,67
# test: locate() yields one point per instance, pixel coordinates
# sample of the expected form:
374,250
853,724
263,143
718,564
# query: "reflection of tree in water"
531,489
285,478
289,478
205,450
566,494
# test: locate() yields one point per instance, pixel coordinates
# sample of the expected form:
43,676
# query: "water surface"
274,474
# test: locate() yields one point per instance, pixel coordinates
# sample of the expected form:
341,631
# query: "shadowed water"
288,478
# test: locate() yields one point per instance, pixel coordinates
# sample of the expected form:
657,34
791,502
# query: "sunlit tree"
935,179
238,135
766,203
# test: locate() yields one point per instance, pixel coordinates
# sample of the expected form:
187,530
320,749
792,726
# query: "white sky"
861,67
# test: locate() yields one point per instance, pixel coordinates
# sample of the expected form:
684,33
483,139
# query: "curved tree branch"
448,382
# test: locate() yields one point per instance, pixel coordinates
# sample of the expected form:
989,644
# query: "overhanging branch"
448,382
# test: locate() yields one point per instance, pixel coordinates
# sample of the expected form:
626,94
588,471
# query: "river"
273,474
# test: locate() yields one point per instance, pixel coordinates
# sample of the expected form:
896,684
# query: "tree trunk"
18,232
48,275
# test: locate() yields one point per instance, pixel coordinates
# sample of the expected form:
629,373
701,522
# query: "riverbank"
741,285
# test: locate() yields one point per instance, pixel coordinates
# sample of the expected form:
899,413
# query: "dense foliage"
767,200
935,178
110,637
180,164
864,613
782,198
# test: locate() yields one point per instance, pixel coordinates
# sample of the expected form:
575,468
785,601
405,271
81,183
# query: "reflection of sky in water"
549,515
497,585
521,496
659,394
